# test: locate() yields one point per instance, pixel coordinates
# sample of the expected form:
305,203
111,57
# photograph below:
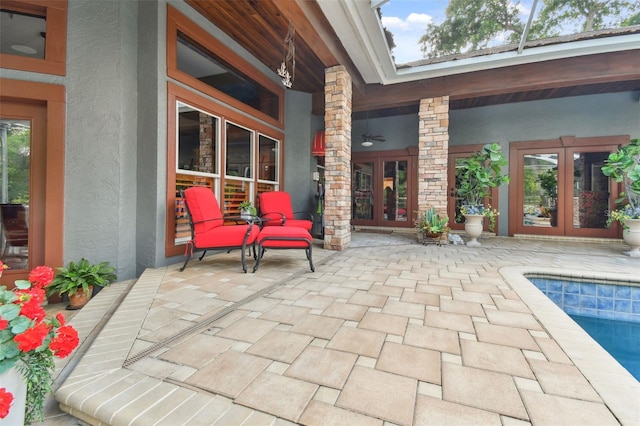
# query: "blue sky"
408,19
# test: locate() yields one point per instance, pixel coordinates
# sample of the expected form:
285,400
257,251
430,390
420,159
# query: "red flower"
6,398
33,309
32,338
64,342
60,318
41,276
3,324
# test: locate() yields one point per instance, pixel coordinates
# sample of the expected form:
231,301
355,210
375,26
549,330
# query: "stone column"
433,152
337,123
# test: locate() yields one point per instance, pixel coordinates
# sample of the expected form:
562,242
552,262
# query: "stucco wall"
100,164
399,132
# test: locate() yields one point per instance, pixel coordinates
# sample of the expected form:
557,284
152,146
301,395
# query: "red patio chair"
210,230
276,210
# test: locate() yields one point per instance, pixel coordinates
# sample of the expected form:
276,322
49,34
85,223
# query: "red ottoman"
284,237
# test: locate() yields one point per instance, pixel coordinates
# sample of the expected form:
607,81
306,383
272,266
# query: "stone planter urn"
473,227
13,381
631,236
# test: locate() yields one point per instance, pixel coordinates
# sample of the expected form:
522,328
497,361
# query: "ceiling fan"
368,139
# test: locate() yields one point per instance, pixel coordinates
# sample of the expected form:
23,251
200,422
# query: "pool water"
609,312
620,338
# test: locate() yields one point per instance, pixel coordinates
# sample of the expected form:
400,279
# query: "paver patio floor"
388,331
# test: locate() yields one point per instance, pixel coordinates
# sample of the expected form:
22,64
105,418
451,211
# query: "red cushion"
203,207
279,237
275,204
226,236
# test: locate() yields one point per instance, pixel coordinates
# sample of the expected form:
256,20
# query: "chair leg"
260,253
244,264
308,253
203,253
186,261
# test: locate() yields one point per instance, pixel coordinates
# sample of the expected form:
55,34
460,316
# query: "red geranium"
28,337
6,398
41,276
32,338
64,342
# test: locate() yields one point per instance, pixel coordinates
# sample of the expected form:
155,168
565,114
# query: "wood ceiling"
260,26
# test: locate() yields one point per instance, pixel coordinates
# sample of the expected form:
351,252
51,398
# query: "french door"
557,187
383,189
22,183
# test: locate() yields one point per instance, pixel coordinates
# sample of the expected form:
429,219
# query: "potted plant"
476,176
431,225
29,342
78,279
623,166
247,210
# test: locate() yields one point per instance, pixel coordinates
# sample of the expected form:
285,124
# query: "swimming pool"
610,313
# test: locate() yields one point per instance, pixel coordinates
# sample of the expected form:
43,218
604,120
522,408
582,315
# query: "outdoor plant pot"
80,298
473,227
13,381
631,236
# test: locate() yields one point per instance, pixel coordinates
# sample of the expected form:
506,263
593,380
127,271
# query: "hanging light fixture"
289,54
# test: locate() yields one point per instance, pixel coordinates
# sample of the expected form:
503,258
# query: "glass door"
559,189
382,190
22,183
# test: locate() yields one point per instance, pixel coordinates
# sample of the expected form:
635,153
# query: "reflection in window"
239,168
395,190
362,182
212,70
22,34
197,140
268,158
15,144
540,185
590,190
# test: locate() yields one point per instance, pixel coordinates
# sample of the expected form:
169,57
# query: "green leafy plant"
623,166
480,172
431,222
549,183
29,341
248,206
79,276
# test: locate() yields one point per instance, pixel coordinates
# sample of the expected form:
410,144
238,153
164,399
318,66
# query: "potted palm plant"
476,176
623,166
77,280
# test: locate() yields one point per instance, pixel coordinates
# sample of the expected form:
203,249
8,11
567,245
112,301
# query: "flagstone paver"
385,332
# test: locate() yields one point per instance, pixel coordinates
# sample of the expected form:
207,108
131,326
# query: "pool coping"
616,386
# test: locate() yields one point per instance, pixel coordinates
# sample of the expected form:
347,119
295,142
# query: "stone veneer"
433,151
337,121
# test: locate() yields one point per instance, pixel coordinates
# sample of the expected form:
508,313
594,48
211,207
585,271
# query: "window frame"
55,13
177,93
177,22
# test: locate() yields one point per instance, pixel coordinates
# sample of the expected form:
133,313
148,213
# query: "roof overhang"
358,27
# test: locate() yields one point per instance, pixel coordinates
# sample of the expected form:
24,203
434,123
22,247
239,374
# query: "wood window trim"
176,93
176,21
54,61
53,96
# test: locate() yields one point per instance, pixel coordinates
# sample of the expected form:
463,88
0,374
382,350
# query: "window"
218,148
212,70
33,36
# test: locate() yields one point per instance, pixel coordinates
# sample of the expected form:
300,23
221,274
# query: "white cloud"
406,33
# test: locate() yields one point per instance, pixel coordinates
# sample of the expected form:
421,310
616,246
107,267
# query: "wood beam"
567,72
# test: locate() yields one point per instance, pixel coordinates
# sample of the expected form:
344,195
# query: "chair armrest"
264,219
309,215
